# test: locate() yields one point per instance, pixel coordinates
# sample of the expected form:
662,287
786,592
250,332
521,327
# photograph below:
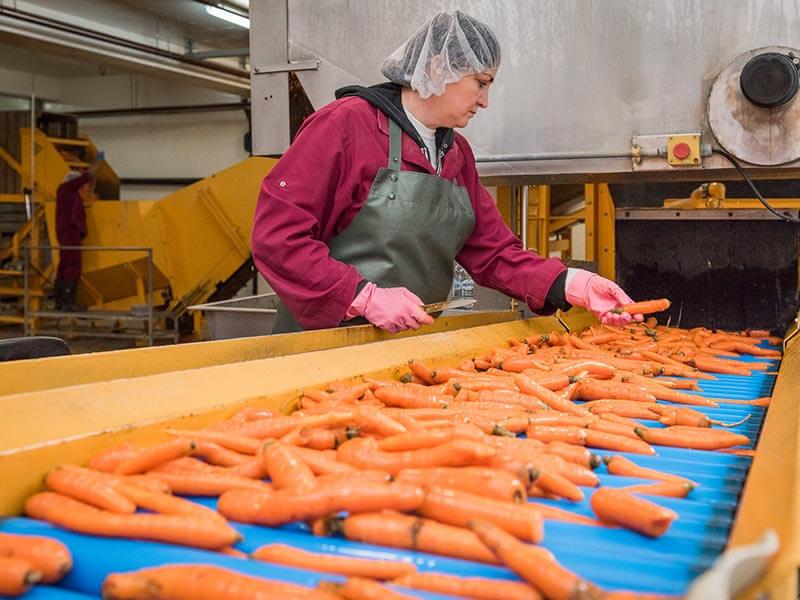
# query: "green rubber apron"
407,234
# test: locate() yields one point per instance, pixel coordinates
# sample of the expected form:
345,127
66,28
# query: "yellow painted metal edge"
771,495
42,428
41,374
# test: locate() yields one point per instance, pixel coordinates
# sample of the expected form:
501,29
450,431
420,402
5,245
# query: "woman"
364,215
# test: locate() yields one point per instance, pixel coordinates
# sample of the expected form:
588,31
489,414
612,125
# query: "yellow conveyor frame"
42,428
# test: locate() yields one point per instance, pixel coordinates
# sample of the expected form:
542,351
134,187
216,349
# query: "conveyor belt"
611,558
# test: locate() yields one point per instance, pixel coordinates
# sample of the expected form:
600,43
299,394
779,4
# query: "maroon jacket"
322,181
70,213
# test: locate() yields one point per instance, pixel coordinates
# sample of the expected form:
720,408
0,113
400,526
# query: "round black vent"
770,79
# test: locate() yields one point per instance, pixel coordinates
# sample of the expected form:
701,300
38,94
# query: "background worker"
364,215
76,189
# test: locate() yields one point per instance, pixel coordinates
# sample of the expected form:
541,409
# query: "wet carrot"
401,397
363,453
618,443
277,427
201,582
551,481
166,504
454,507
287,469
77,516
644,307
622,508
46,555
619,465
281,554
283,507
709,365
231,441
624,408
321,463
411,533
480,588
552,513
673,489
108,459
574,454
199,483
218,455
509,396
150,458
592,389
535,565
88,486
252,413
421,370
370,419
692,437
17,576
482,481
357,588
613,428
568,434
415,440
527,386
234,552
355,475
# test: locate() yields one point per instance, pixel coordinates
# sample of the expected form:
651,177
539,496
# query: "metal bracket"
303,65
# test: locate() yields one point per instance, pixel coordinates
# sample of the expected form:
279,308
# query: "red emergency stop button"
681,150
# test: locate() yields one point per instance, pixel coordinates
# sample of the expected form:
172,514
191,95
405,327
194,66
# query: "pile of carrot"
29,559
431,462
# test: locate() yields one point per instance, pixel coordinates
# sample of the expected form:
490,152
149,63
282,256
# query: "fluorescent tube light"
228,16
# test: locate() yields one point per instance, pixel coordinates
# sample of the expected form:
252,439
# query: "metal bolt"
391,196
393,177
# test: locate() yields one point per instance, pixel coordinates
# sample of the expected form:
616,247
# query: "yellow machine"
198,237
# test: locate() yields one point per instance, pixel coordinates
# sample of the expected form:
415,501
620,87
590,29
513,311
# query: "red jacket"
70,213
322,181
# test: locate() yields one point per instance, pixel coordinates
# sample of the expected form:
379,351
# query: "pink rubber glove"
392,309
598,295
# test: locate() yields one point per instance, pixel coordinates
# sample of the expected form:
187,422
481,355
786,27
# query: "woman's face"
462,99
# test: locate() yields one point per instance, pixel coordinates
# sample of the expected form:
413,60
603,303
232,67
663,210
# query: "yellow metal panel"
605,233
504,203
591,194
40,429
63,371
771,496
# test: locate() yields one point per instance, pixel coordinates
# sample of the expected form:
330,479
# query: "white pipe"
524,216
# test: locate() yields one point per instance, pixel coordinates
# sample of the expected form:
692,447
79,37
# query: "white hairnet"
70,176
449,46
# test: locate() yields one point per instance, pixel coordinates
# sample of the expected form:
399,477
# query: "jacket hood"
386,98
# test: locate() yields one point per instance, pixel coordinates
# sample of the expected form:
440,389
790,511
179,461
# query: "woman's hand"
392,309
598,295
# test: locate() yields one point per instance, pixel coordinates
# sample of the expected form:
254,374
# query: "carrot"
77,516
480,588
234,552
411,533
283,507
201,582
574,454
332,563
46,555
421,370
551,481
618,443
613,428
592,389
458,508
644,307
357,588
215,454
482,481
370,419
148,483
88,486
622,508
553,513
231,441
321,463
355,475
527,386
287,470
712,366
674,489
109,458
535,565
691,437
277,427
415,440
206,483
619,465
150,458
363,453
405,398
17,576
509,396
252,413
568,434
166,504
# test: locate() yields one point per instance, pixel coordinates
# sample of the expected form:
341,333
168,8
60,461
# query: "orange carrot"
402,397
77,516
482,481
150,458
283,507
415,440
321,463
231,441
213,483
234,552
644,307
527,386
412,533
17,576
46,555
357,588
674,489
421,370
458,508
363,453
592,389
618,443
480,588
332,563
287,469
166,504
574,454
619,465
692,437
109,458
535,565
553,513
218,455
622,508
201,582
88,486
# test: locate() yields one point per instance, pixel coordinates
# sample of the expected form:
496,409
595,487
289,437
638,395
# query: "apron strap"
395,145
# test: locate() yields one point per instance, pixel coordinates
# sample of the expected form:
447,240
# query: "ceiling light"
230,17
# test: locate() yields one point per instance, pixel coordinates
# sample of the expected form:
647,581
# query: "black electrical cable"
767,205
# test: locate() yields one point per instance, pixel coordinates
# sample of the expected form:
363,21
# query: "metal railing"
149,289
